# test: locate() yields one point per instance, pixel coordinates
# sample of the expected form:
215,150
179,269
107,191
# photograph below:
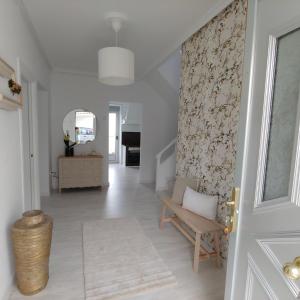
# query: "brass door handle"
232,207
292,269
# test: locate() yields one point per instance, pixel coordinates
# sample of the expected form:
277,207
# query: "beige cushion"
180,186
201,204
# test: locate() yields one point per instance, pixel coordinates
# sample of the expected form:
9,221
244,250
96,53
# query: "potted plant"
69,148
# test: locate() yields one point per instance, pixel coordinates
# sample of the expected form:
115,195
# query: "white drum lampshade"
116,66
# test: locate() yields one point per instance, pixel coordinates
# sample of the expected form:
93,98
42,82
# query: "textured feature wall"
211,81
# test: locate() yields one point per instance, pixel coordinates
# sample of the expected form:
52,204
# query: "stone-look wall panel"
211,81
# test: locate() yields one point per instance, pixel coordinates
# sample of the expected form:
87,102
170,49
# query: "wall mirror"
80,125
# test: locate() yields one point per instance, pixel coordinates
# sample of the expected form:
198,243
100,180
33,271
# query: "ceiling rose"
116,64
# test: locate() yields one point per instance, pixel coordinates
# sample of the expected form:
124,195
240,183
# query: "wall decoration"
211,81
10,90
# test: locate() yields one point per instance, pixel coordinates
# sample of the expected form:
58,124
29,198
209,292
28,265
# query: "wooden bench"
198,224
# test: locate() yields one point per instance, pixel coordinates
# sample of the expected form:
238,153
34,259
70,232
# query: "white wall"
165,172
131,127
132,116
170,70
16,41
71,91
165,79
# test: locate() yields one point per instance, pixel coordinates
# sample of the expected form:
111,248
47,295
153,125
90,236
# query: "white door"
113,135
27,146
268,233
30,149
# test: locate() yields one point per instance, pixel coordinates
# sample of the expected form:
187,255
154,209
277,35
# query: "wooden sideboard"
80,171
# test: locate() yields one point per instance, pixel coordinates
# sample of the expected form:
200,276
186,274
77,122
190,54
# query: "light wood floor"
124,198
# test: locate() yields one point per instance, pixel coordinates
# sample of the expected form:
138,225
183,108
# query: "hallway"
124,198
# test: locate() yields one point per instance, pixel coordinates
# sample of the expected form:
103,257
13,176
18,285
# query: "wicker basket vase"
31,238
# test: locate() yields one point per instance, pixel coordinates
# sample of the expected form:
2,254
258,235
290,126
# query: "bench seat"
198,224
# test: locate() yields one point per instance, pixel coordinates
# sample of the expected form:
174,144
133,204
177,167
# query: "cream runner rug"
120,261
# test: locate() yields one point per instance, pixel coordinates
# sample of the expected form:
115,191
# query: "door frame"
44,139
24,72
118,121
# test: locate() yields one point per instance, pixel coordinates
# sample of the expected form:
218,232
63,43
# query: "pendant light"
116,64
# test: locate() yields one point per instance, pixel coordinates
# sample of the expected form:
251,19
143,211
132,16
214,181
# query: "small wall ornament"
10,89
15,88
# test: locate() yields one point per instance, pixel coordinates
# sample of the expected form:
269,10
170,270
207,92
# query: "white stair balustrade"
165,166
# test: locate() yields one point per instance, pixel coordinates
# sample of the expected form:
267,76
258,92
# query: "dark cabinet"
132,156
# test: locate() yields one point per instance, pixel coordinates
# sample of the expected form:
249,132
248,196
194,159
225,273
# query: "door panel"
30,146
268,217
279,251
257,287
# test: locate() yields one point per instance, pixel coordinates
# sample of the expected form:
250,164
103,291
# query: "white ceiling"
72,31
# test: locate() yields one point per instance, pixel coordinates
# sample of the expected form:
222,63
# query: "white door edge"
243,139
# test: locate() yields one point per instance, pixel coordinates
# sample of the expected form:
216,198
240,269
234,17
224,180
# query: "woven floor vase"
31,238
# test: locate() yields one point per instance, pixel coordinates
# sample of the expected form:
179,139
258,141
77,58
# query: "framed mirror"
80,125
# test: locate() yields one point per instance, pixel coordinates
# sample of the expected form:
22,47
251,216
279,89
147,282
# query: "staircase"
165,166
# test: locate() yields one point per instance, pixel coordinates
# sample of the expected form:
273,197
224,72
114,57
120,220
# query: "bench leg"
197,252
217,249
162,216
